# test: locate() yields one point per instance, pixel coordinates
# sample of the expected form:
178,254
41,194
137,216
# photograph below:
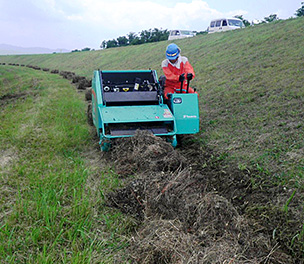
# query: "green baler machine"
125,101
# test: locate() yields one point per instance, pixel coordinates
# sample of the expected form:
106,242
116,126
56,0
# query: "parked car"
225,24
179,34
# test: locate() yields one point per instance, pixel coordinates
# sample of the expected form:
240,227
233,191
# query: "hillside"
250,83
232,194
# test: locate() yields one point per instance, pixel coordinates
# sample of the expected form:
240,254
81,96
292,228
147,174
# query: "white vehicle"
179,34
225,24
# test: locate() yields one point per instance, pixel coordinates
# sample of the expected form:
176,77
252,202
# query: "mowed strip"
47,213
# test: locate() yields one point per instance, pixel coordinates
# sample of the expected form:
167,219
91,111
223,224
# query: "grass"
256,104
48,212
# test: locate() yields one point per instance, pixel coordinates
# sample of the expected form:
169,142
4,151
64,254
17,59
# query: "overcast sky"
76,24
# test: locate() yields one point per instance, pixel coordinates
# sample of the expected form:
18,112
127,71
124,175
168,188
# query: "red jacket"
172,73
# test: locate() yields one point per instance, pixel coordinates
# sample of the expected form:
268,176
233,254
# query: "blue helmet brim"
172,56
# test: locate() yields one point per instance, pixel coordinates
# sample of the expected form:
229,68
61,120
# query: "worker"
177,69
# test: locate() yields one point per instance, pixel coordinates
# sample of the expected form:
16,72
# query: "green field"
251,90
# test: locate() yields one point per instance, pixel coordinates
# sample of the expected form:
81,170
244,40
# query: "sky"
77,24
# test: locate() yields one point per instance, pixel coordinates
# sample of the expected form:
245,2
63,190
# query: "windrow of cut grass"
251,90
50,201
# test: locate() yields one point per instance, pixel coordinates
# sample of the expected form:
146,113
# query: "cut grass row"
51,193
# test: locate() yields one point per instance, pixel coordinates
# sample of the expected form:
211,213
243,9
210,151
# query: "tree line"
270,18
145,36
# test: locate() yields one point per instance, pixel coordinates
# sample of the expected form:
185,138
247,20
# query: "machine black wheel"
88,94
89,114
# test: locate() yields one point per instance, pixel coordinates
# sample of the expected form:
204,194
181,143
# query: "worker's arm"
189,69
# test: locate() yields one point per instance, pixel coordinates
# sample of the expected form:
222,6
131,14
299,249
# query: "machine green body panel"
136,113
96,100
186,112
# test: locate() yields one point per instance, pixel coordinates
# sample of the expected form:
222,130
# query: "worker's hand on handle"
182,77
189,76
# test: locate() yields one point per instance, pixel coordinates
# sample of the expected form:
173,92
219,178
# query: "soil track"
194,208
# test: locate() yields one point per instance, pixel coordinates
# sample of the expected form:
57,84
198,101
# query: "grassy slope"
49,197
250,84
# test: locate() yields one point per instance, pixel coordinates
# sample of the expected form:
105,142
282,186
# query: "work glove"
182,77
189,76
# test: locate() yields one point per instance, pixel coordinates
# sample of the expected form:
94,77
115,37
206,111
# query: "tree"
165,34
146,35
159,35
246,22
137,41
103,44
300,11
122,41
112,43
271,18
131,37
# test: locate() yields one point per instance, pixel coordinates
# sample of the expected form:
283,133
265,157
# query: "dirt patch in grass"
25,88
6,157
94,161
197,209
9,98
7,190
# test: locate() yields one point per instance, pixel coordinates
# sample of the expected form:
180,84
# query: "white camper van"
179,34
225,24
